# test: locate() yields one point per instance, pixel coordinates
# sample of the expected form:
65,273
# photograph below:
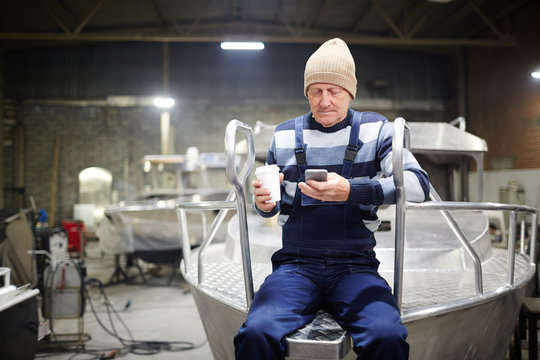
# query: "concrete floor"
152,311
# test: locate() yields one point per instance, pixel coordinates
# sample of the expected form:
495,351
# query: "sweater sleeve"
381,190
365,191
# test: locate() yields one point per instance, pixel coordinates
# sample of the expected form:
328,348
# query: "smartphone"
316,174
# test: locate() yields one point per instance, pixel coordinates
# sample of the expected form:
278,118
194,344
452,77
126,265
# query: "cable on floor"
138,347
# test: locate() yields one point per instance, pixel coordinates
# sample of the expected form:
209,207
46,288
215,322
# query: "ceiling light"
164,102
242,45
536,74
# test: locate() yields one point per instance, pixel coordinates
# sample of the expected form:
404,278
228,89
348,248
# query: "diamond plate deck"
437,274
421,287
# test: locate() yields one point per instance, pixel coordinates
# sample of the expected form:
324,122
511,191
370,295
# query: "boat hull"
478,331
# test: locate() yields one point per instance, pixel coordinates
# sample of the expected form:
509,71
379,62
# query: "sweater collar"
313,124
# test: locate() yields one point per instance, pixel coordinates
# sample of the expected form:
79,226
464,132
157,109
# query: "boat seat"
322,338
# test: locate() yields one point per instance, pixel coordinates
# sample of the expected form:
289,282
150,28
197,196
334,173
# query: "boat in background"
459,296
147,224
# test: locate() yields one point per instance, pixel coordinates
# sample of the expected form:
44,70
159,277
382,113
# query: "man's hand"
263,194
336,188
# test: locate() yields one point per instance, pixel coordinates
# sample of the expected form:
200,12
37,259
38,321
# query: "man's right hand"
262,195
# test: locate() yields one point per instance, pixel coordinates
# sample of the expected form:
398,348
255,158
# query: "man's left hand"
336,188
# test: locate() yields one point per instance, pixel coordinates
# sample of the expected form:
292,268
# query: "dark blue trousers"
357,296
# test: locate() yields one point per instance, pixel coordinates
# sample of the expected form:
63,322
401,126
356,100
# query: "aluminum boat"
459,296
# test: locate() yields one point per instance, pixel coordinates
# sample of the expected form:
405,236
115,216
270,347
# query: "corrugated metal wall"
96,71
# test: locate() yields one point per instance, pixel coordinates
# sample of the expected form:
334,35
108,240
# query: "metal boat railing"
401,141
235,200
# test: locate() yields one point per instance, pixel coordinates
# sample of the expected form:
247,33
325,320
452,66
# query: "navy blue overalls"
326,262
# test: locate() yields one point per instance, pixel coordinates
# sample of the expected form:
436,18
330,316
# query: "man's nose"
325,99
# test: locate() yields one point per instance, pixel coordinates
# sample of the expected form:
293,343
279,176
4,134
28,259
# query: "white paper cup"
269,175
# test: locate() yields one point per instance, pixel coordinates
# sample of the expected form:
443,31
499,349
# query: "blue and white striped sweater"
371,177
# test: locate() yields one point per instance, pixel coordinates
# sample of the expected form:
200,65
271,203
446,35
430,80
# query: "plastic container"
269,175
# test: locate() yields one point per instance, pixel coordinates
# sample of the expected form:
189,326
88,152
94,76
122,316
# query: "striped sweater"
371,182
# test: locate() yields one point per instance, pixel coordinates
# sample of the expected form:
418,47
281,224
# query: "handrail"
487,206
478,277
400,137
238,182
401,131
235,200
223,207
400,141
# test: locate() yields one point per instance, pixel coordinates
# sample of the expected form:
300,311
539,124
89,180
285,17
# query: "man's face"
329,103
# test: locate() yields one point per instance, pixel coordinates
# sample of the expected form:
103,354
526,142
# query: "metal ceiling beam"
287,24
55,17
418,24
419,8
352,39
280,18
486,20
66,10
85,21
157,13
405,19
320,11
452,20
514,5
193,25
387,19
363,15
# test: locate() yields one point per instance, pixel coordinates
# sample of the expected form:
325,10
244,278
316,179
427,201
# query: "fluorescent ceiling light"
536,74
242,45
164,102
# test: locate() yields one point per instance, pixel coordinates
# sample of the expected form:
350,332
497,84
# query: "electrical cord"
138,347
131,345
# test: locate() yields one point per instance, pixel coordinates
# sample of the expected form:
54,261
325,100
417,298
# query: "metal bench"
322,338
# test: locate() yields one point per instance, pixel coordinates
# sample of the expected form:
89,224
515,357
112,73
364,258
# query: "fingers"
262,195
336,188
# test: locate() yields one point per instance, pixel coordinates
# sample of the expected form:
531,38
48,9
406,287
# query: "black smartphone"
316,174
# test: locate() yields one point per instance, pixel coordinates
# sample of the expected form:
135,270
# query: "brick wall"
504,100
105,136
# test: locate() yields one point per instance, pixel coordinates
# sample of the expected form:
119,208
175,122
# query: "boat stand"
119,274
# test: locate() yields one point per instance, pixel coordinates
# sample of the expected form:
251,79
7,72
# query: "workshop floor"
162,319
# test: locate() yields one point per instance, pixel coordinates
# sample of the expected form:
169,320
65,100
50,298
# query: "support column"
167,131
461,110
461,84
18,157
1,126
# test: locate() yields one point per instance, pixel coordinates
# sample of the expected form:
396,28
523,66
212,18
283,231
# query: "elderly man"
327,258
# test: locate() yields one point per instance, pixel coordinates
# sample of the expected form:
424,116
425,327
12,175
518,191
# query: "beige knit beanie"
332,63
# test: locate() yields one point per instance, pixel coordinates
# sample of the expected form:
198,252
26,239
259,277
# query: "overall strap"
353,146
300,149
